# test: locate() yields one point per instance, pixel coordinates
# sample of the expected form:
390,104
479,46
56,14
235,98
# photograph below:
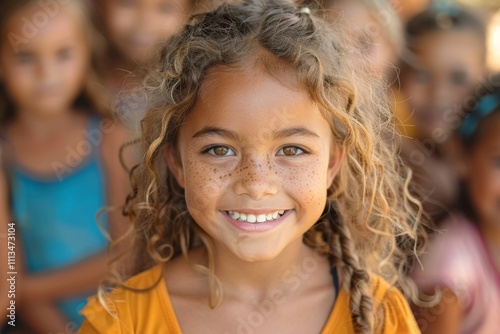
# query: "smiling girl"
267,200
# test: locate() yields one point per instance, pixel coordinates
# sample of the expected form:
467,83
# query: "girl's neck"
291,268
42,126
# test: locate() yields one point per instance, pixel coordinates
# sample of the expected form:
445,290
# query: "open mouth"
253,219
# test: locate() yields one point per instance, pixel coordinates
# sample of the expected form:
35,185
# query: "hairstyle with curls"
92,97
370,223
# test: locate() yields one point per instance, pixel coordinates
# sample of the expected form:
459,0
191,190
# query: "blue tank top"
57,221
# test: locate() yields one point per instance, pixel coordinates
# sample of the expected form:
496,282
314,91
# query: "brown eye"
290,151
220,151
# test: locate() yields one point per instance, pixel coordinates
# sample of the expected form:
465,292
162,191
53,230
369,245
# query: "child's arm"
45,318
79,278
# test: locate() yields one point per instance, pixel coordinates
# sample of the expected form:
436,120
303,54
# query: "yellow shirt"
152,311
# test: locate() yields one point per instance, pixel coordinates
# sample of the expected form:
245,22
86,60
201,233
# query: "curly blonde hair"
370,225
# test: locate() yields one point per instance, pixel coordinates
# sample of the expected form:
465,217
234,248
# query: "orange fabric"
152,311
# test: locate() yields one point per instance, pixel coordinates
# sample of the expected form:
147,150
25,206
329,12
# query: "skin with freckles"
254,145
254,148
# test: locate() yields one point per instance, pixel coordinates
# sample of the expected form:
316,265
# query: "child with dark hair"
443,63
464,260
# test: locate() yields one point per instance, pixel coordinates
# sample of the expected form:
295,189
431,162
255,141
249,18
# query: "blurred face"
135,26
376,49
44,73
256,159
448,65
483,172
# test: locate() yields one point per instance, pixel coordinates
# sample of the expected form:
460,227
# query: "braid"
356,278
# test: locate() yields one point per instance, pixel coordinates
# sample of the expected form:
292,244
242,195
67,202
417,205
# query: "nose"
439,92
46,70
256,178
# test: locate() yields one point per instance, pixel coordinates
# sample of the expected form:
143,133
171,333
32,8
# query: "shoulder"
398,317
452,254
125,308
389,303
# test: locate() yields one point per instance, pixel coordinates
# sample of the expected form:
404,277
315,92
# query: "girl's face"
447,66
255,157
368,33
43,72
483,172
135,26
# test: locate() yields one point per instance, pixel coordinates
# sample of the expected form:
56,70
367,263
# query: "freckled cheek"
205,184
307,183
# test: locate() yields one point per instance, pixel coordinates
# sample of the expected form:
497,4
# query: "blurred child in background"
376,29
133,29
61,153
464,261
373,26
446,60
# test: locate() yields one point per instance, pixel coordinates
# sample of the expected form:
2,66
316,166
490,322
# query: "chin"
258,255
50,110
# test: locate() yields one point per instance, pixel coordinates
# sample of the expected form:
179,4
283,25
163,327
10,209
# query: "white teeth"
251,218
261,218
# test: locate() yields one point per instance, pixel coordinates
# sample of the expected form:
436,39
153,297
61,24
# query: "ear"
336,158
174,165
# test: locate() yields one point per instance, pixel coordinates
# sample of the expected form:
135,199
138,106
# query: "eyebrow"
281,134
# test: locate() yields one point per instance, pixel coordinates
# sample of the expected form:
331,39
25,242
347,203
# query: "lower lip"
256,227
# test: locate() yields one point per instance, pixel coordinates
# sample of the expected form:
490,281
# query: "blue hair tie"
447,7
485,106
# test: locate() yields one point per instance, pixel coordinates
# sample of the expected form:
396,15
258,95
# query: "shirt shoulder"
141,306
398,317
